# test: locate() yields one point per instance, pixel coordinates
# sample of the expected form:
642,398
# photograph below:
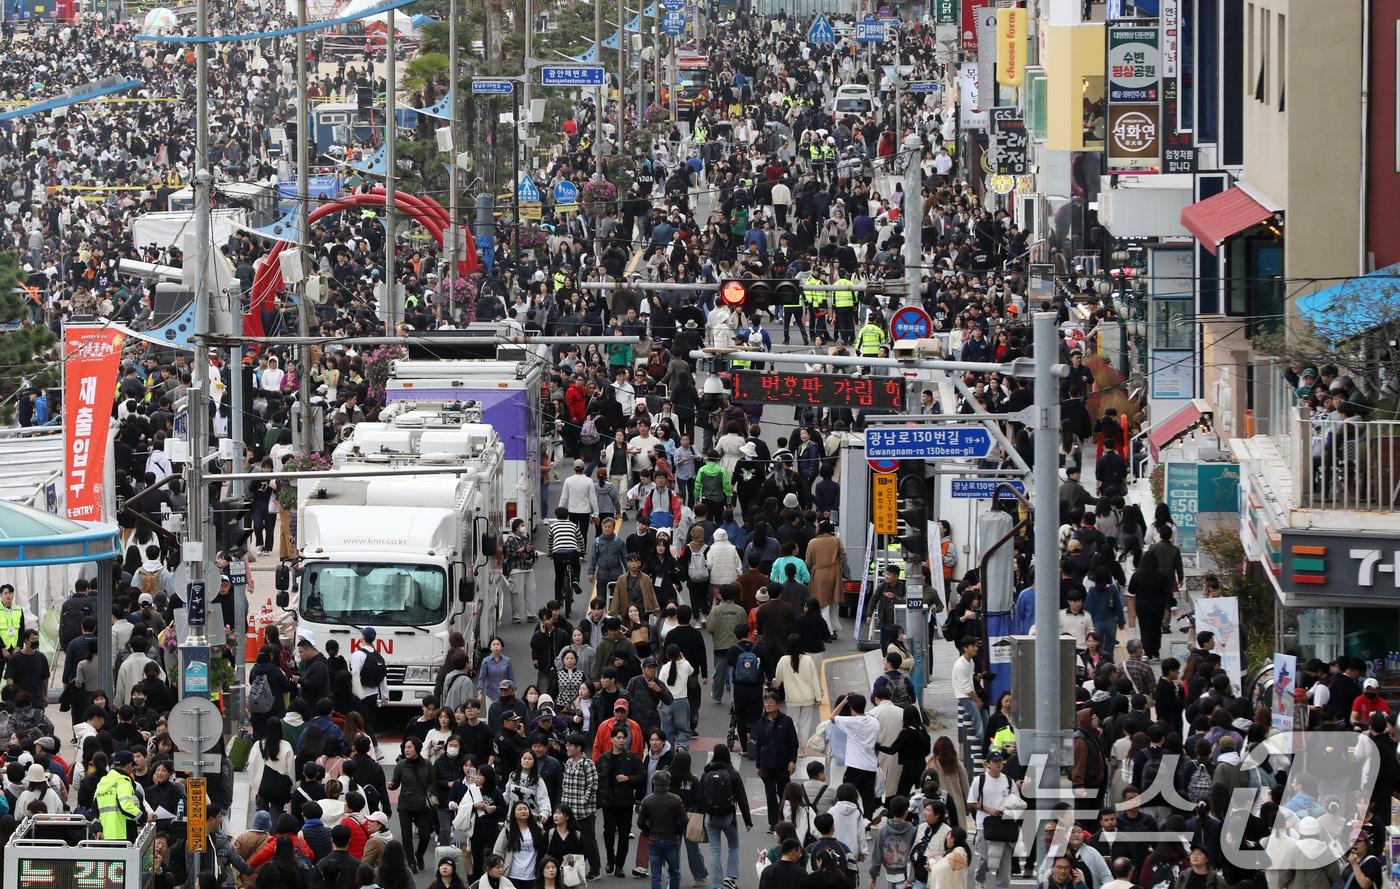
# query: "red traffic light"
733,293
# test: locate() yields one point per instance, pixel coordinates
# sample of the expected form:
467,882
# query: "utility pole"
913,218
452,197
393,309
672,80
656,56
515,173
622,39
199,529
601,101
303,212
1046,476
529,31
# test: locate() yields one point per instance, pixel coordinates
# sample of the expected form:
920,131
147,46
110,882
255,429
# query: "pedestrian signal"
758,294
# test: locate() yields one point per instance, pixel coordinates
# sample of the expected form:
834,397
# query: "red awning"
1223,215
1167,430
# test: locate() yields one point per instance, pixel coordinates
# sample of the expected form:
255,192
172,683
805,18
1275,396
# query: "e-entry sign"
819,390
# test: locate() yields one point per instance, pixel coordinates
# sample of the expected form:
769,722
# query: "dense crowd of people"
688,549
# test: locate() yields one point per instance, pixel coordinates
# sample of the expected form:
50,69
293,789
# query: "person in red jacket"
286,827
602,740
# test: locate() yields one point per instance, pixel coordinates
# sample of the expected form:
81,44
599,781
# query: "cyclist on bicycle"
566,549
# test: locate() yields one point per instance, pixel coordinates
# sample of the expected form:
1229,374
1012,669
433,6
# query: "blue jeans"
728,826
675,721
668,851
698,871
974,715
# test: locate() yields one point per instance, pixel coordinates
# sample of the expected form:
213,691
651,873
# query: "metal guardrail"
1345,464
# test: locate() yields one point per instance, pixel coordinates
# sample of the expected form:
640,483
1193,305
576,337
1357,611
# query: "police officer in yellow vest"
816,303
844,302
11,620
870,338
792,311
118,806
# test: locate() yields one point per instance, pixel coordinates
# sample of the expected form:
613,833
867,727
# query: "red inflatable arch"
267,280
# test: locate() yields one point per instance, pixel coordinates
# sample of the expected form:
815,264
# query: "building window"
1282,66
1249,17
1261,86
1173,323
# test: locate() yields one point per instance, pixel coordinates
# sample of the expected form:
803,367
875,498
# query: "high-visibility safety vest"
814,151
843,299
117,805
11,620
869,340
559,280
829,152
700,134
815,298
1004,738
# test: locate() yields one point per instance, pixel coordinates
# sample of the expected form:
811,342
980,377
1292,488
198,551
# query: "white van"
854,98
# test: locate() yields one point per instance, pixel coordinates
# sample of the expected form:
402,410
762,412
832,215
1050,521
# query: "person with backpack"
267,689
722,624
746,667
83,603
1089,774
990,798
893,682
368,669
721,793
1194,776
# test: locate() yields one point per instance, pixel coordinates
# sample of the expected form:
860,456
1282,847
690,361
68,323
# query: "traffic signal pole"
1047,739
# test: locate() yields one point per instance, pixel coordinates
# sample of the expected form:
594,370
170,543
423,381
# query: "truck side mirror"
466,589
488,545
283,599
284,577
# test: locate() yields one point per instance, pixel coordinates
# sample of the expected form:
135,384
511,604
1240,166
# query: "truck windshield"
356,594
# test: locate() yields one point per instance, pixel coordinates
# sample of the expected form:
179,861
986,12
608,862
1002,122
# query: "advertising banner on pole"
1011,46
91,359
970,11
970,107
1284,709
1222,617
987,51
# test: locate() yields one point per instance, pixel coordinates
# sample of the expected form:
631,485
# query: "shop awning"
1223,215
1168,429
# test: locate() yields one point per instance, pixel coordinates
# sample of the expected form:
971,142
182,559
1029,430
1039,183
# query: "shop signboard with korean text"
92,356
1182,489
1009,129
1178,148
1134,139
1134,61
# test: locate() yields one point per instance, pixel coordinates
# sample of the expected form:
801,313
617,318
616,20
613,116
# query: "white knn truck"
413,556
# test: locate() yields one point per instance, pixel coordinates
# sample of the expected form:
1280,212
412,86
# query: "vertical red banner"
92,357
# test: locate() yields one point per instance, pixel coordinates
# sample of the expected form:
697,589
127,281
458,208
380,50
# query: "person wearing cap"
380,836
620,719
647,694
119,810
38,788
614,645
11,621
506,702
375,696
1368,703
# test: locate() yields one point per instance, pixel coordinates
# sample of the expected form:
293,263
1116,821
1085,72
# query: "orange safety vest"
947,569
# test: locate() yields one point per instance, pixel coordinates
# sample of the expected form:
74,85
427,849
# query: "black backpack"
717,790
373,670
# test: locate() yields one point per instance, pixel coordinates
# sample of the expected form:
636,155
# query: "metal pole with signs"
884,502
194,720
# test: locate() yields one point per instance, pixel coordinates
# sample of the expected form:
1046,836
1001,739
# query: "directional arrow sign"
482,86
929,443
821,30
984,488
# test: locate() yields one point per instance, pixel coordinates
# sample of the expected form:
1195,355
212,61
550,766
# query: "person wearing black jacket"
691,641
621,777
775,736
476,735
369,773
1167,699
545,644
315,671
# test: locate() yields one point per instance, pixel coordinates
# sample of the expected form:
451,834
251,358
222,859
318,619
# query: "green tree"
24,350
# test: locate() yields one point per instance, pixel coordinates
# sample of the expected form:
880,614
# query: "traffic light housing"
913,511
758,294
233,523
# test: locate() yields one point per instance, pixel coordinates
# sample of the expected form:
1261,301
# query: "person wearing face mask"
28,669
1366,703
447,770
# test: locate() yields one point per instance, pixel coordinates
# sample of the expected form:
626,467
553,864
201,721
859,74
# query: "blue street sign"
571,75
871,30
673,23
929,443
527,191
922,86
910,323
566,193
673,4
196,678
821,30
984,488
484,86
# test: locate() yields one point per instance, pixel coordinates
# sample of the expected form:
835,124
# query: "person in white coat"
271,753
722,558
798,675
